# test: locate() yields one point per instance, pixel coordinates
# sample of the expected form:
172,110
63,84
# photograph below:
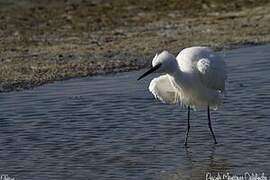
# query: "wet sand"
44,41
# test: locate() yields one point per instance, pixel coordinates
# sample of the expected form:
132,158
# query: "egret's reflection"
198,167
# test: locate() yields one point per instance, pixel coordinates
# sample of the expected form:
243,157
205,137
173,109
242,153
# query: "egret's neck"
172,67
175,70
179,77
177,73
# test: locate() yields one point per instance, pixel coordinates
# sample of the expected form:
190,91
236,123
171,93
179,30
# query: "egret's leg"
210,125
188,126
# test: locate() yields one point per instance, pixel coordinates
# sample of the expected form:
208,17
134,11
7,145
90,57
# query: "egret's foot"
186,145
215,141
188,127
186,139
214,137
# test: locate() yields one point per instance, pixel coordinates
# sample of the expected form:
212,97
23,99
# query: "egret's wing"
212,72
163,89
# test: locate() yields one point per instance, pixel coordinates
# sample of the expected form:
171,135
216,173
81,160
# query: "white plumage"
195,78
164,90
197,81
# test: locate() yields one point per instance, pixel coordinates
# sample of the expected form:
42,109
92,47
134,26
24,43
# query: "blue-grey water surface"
110,127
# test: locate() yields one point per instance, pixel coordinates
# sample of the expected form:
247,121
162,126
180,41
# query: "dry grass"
44,41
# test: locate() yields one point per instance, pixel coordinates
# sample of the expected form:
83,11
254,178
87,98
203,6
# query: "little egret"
195,78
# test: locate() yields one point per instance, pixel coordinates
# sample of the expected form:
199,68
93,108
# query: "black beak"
153,69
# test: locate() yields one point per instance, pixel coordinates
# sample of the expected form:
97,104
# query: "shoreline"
20,86
46,42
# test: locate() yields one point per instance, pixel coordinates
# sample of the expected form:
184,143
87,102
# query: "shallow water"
110,127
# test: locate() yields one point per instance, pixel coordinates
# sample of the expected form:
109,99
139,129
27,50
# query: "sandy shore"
44,41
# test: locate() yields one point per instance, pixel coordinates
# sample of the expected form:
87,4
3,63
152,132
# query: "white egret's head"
162,63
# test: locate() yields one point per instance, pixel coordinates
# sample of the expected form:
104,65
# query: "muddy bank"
43,41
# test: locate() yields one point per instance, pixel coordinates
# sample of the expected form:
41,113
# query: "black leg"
188,126
210,125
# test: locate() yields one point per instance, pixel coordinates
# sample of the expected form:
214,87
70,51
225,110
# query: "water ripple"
110,127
